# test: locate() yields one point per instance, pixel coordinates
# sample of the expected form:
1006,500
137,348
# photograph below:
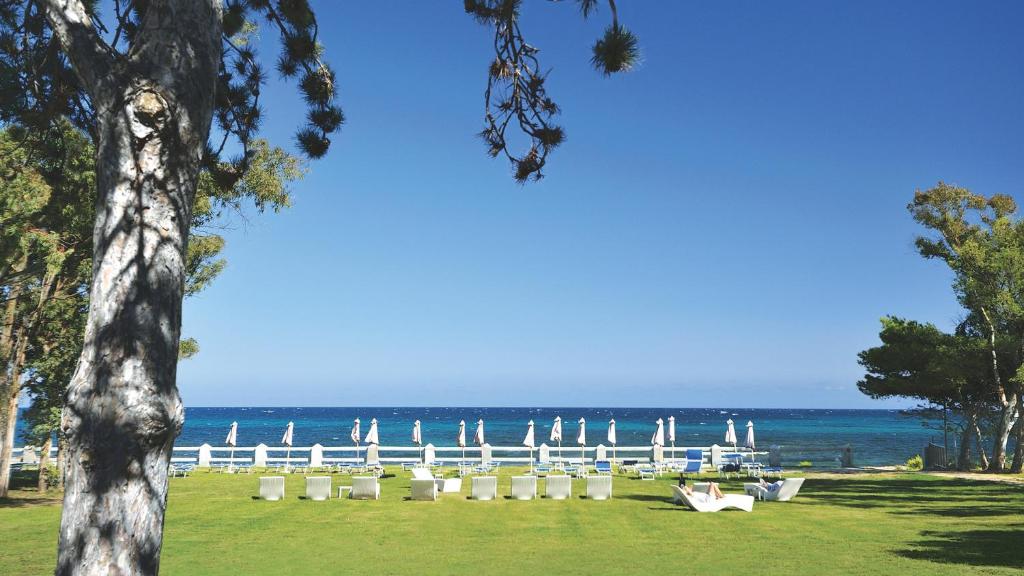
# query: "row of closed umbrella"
658,439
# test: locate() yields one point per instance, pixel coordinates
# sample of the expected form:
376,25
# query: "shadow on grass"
29,501
909,496
996,548
646,497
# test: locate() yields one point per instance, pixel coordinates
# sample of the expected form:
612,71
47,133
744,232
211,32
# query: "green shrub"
915,463
805,464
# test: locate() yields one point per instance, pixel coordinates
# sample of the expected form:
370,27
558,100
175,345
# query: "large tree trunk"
123,409
44,465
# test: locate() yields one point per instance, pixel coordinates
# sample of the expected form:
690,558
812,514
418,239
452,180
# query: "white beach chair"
318,487
784,493
524,487
701,502
449,485
558,487
420,473
424,489
599,487
365,488
272,488
484,488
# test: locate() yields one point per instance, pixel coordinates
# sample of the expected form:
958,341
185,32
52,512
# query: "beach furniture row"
423,487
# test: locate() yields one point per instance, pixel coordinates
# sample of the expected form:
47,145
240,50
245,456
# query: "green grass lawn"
865,524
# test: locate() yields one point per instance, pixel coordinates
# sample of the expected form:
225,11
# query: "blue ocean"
878,437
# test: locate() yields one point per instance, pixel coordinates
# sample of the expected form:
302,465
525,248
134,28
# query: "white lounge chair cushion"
318,487
365,488
599,487
558,487
424,489
485,487
422,474
524,487
786,492
701,502
272,487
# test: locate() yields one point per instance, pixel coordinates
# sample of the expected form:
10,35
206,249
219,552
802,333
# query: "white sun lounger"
424,489
785,493
599,487
318,487
485,487
524,487
698,503
272,487
365,488
558,487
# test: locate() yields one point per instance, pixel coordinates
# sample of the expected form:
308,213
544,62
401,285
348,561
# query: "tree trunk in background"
9,404
60,463
44,465
7,356
1004,425
982,456
1018,452
963,459
123,410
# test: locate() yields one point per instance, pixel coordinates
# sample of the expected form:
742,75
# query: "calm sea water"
878,437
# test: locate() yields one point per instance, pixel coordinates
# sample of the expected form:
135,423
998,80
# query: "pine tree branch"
92,58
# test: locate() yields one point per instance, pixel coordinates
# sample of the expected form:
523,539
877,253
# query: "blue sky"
724,226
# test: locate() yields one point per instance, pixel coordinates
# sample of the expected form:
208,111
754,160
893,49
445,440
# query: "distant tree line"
971,379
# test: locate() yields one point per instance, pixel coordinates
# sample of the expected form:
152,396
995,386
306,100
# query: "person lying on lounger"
771,486
713,493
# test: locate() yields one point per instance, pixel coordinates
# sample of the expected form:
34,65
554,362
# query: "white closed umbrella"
581,439
658,439
287,441
529,442
371,436
417,437
354,435
750,439
611,436
730,434
556,434
230,441
672,434
461,440
478,437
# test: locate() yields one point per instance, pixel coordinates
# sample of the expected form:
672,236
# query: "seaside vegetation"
970,381
891,523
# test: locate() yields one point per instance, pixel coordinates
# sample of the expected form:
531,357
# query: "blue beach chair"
694,461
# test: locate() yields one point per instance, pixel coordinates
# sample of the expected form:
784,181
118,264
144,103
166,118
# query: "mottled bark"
1007,401
44,466
154,107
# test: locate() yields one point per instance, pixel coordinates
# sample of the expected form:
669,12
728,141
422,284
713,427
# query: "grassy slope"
883,524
